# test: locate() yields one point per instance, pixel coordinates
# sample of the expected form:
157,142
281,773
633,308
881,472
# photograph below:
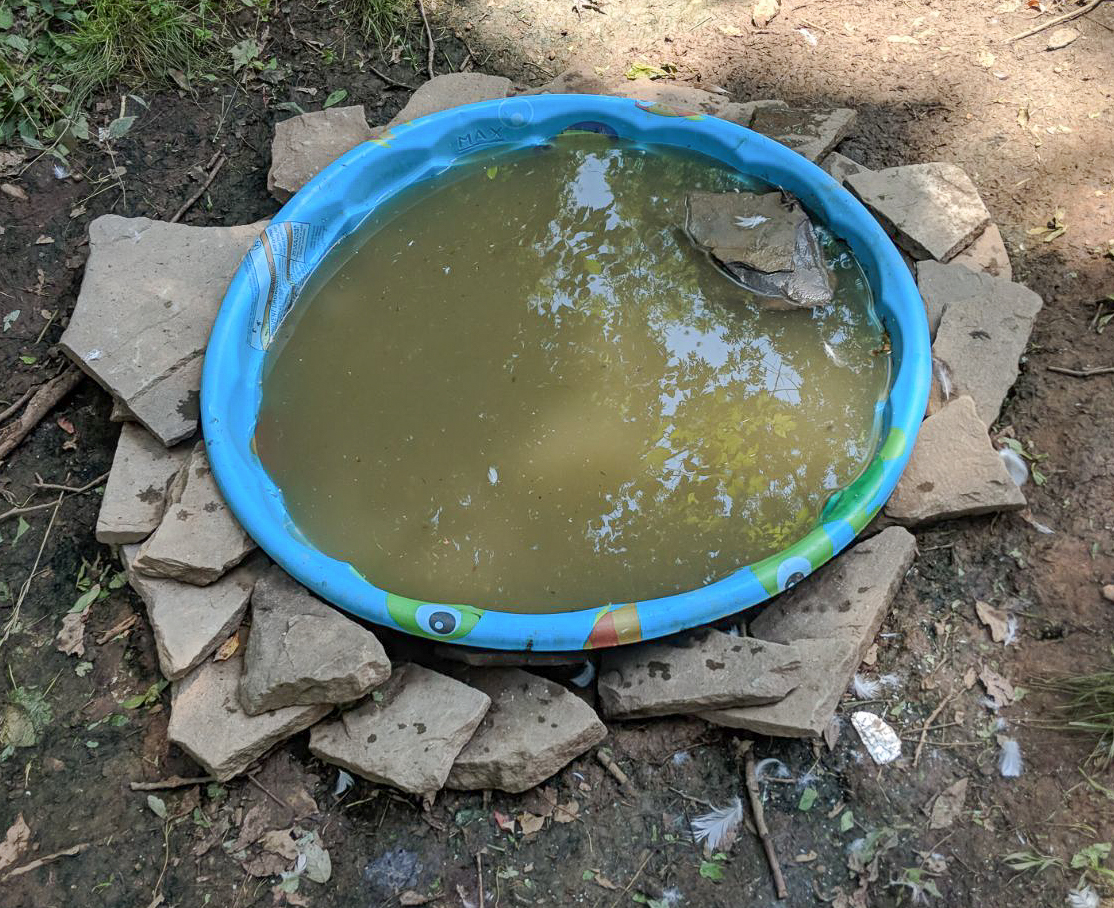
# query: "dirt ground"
931,80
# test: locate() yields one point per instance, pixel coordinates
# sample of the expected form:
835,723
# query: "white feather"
718,825
1009,760
1083,897
890,680
866,688
943,378
1015,465
1011,630
781,771
344,782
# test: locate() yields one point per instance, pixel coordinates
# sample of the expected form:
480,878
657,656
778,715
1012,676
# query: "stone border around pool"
449,716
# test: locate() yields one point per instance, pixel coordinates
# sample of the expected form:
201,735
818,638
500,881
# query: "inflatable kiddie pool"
339,199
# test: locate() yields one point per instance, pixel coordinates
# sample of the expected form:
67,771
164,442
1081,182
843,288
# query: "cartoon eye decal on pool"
792,571
440,622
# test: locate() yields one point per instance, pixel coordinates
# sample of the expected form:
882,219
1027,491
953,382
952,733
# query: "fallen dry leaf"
278,841
969,678
15,842
65,425
566,813
409,897
948,805
71,638
764,11
1062,37
997,688
504,822
530,823
603,881
994,618
227,649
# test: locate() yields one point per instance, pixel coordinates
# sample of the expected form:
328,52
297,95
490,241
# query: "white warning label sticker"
280,261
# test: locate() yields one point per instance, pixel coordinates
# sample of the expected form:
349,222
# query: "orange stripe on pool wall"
615,626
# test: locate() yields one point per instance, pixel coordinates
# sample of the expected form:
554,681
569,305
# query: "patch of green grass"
1091,708
383,22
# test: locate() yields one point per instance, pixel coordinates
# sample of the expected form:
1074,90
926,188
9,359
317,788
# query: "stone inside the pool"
765,241
301,651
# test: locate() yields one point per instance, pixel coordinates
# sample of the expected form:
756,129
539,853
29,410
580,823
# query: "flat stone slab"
533,728
826,670
812,133
491,658
301,651
954,471
305,145
409,736
147,303
198,539
847,599
206,720
766,244
987,252
661,94
839,167
451,90
190,622
703,670
983,332
933,210
135,494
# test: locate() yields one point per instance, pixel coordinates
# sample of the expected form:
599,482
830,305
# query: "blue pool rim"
337,201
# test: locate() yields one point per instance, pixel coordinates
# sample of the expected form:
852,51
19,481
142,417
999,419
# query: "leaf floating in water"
881,741
492,171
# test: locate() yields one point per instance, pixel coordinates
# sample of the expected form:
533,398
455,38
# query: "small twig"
612,767
13,618
118,629
39,862
928,722
42,402
480,879
384,77
1081,373
429,38
222,159
1074,14
633,880
755,798
46,327
28,509
171,782
263,788
24,397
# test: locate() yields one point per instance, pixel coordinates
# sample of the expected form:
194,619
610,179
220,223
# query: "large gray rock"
406,736
198,539
135,494
954,471
452,90
147,303
534,728
189,622
826,670
768,245
845,600
987,252
305,145
810,132
706,669
683,99
983,332
206,720
301,651
933,210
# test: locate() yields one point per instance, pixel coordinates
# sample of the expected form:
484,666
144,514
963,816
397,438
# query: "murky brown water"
526,390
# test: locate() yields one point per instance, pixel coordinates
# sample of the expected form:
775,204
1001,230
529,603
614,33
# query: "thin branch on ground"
13,618
46,859
1081,373
755,798
170,782
23,398
42,402
1066,17
384,77
429,39
31,508
928,723
221,159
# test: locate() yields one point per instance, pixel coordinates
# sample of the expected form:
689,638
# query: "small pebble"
1108,592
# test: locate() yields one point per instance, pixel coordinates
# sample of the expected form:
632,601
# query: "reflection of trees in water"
735,392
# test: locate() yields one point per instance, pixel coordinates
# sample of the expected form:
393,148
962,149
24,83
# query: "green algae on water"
522,387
